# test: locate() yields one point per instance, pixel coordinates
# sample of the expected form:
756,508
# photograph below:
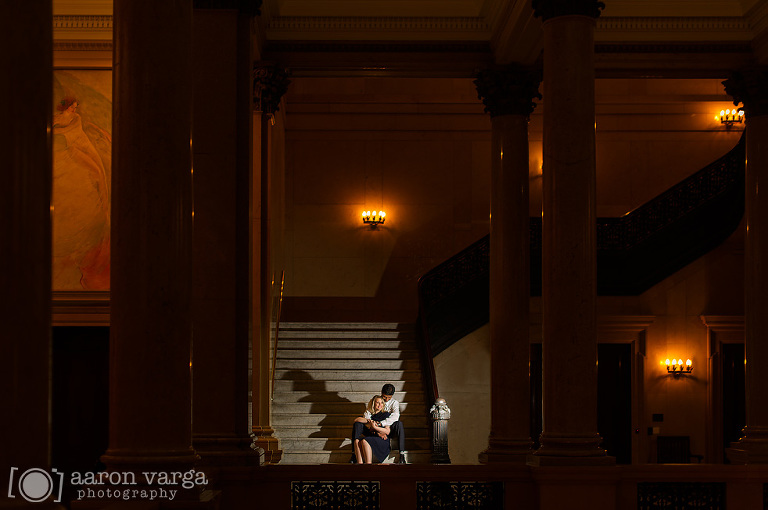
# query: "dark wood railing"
634,252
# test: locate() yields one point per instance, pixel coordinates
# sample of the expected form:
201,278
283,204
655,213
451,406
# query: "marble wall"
420,150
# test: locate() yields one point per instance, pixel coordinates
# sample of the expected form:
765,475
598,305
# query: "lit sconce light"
731,117
373,218
676,367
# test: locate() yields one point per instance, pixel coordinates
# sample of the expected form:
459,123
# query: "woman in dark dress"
374,443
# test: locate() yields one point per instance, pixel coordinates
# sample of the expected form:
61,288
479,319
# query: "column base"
225,452
750,449
507,451
262,439
207,500
19,503
138,461
570,450
552,460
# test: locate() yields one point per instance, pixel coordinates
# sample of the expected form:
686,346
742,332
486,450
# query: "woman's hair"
371,409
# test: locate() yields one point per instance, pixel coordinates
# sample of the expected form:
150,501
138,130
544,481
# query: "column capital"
249,7
508,91
548,9
750,87
270,82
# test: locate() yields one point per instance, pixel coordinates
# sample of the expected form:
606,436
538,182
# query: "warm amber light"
676,367
374,218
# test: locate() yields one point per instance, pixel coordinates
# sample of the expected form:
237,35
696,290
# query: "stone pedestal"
569,270
749,87
151,329
25,230
508,96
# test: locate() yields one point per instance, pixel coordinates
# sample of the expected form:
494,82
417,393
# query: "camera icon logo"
36,485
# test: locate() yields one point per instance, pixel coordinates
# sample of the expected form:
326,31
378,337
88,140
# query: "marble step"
403,388
379,376
331,431
312,444
350,335
354,345
354,408
302,395
413,418
342,456
365,365
345,352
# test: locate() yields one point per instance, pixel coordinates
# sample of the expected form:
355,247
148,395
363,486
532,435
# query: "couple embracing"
371,432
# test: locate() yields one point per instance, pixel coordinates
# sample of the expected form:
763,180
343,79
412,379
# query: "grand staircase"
325,375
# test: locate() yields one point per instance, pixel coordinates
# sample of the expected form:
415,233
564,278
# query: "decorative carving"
736,24
508,91
270,82
368,23
440,410
82,22
334,495
440,413
548,9
652,495
477,495
749,86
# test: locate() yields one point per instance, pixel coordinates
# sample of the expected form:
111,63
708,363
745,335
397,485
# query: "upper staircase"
325,375
634,251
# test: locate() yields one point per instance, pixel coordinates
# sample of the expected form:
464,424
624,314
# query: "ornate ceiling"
699,38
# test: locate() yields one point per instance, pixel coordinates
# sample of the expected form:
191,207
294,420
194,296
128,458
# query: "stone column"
270,82
508,97
569,290
25,230
750,87
223,145
151,333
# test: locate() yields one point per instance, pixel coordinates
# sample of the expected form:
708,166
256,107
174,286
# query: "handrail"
672,220
277,333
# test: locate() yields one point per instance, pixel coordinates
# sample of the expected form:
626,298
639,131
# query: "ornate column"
270,82
750,87
508,96
25,230
569,290
223,145
151,332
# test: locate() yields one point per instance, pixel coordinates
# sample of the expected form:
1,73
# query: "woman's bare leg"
367,453
358,454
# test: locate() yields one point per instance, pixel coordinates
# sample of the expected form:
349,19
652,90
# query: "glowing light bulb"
667,361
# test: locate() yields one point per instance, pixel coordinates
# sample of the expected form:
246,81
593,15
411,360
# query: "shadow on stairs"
325,375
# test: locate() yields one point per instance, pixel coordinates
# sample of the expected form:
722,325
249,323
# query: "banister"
634,252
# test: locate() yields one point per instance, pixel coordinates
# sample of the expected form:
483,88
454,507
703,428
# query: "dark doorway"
80,400
734,405
614,400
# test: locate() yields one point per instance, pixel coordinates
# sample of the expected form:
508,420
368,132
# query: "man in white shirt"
396,428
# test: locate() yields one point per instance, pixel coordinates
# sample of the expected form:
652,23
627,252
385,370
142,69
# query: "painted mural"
82,162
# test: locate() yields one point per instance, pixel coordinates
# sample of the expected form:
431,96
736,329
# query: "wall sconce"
676,367
731,117
373,218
